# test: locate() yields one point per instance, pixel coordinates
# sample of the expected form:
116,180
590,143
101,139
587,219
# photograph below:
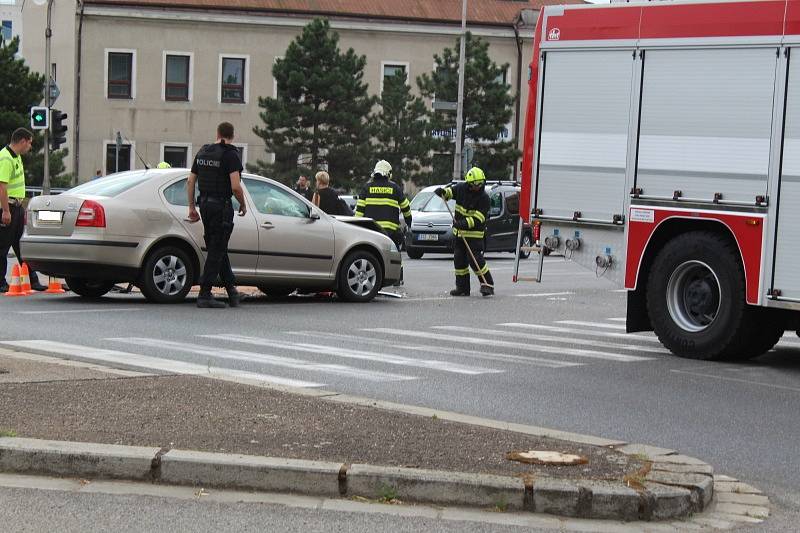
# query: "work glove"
460,224
439,192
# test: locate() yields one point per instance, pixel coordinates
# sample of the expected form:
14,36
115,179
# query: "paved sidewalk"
204,432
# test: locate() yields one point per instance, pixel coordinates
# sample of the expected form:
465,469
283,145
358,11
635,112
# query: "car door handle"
267,225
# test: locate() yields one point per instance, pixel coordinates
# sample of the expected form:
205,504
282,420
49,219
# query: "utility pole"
48,77
457,170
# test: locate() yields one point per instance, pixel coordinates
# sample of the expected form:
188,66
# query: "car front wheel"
524,249
360,277
414,253
167,275
89,288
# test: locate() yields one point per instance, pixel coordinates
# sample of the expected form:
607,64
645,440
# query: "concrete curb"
661,494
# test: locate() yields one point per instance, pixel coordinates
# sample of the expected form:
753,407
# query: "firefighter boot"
234,296
462,286
206,301
487,290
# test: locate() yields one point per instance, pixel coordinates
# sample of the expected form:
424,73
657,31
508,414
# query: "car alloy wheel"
361,277
169,275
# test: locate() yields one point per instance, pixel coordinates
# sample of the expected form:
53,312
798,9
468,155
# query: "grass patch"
501,504
7,433
388,494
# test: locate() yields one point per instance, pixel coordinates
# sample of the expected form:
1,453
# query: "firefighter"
382,200
469,222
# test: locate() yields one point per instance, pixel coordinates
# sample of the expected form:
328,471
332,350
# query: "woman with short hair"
326,198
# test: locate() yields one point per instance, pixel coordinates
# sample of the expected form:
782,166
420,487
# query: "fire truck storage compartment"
584,134
706,120
787,245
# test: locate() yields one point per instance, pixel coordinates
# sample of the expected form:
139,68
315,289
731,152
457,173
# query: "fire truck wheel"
766,334
696,297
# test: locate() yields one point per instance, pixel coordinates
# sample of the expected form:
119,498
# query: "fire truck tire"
696,298
764,337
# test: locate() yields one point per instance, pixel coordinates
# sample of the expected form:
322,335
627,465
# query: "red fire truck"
662,150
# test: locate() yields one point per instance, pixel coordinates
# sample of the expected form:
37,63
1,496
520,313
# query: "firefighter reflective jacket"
382,200
472,208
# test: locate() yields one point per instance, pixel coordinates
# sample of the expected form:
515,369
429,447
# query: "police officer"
12,193
382,200
217,169
469,223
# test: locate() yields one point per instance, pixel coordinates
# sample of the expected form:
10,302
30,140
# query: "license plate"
428,237
50,217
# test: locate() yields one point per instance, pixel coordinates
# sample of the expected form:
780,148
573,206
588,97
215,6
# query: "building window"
176,77
7,30
120,75
176,155
502,78
233,80
392,68
111,157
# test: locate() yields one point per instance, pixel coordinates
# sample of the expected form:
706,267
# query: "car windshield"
436,205
111,185
420,200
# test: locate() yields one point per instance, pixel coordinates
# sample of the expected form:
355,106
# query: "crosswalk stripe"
572,331
460,352
153,363
618,319
552,338
274,360
600,325
387,358
542,294
492,343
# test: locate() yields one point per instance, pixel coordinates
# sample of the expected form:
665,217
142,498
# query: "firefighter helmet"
164,164
476,176
383,168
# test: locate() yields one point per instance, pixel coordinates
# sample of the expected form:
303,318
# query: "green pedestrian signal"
39,118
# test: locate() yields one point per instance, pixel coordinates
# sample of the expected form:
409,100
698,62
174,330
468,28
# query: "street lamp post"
457,170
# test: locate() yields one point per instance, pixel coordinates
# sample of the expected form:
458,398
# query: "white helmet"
383,168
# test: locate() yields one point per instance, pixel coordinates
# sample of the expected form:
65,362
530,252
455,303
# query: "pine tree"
487,109
401,130
20,89
319,116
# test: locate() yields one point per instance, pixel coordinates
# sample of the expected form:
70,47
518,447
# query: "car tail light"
91,215
537,231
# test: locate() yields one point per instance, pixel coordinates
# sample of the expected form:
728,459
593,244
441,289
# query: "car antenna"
146,166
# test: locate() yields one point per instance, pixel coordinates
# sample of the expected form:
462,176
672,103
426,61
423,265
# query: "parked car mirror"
313,215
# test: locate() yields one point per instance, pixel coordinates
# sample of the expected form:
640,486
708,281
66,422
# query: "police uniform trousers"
10,236
463,262
217,216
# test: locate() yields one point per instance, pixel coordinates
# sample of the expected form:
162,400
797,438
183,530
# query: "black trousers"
217,216
462,262
9,238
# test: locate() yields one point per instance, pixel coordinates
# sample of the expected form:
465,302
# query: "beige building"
164,74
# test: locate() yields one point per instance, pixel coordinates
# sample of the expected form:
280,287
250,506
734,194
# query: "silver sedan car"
131,227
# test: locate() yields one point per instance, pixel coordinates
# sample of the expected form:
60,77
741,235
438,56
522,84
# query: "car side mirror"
313,215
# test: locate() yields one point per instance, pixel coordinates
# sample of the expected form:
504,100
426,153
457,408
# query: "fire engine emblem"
554,35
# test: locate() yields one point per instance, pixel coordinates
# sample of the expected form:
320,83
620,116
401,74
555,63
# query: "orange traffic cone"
25,279
15,289
54,286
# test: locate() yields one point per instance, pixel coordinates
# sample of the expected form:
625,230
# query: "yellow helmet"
383,167
164,164
475,175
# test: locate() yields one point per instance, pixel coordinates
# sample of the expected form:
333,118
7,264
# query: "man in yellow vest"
12,193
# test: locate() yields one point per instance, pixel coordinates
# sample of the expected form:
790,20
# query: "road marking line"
96,310
600,325
492,343
737,380
552,338
464,352
274,360
386,358
621,319
154,363
542,294
558,329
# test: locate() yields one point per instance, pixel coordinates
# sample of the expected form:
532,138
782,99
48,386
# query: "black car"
432,226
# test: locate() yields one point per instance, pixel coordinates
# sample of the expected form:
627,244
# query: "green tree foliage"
401,131
19,90
488,107
319,117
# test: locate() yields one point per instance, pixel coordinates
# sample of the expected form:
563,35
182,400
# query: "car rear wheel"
167,275
414,253
527,242
276,292
89,288
360,277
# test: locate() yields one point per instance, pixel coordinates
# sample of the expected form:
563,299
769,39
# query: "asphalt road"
551,354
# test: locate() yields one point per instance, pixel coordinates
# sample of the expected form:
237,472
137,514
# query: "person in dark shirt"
217,169
326,198
303,188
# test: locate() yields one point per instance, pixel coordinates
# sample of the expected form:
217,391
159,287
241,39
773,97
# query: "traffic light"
58,131
39,118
